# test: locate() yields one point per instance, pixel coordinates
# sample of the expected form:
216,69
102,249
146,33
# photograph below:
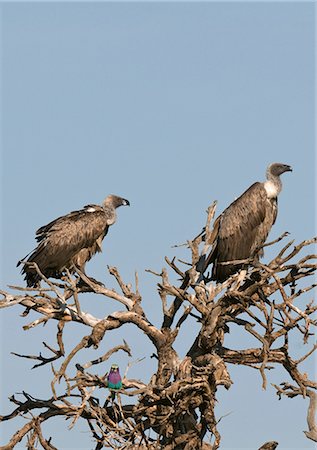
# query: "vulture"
241,230
71,240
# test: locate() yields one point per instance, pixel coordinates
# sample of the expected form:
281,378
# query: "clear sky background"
172,106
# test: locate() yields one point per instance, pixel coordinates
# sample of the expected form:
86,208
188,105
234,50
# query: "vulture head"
276,169
115,201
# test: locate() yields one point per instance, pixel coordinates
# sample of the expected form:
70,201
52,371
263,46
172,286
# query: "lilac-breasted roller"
114,379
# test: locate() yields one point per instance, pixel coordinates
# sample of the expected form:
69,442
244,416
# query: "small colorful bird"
114,379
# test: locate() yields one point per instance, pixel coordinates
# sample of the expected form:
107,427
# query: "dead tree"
176,409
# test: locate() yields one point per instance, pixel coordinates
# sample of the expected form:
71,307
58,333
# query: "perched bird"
70,241
114,379
241,230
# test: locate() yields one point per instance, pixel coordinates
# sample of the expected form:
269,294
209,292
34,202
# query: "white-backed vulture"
71,240
243,227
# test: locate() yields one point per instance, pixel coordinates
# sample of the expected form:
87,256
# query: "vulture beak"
125,202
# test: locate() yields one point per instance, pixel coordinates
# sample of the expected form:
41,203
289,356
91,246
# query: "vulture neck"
108,203
273,185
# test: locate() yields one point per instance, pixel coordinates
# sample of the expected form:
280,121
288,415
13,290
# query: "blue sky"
171,105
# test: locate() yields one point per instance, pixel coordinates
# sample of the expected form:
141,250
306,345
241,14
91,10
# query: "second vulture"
241,230
71,240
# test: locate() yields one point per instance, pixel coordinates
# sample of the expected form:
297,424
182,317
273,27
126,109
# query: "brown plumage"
70,241
241,230
269,445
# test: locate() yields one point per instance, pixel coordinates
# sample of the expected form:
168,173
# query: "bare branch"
175,409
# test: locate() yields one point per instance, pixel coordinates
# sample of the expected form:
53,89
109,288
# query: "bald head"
276,169
114,201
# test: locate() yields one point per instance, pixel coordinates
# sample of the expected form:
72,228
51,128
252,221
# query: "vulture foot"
86,286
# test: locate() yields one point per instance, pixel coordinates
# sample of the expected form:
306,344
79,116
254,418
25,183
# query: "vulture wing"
243,227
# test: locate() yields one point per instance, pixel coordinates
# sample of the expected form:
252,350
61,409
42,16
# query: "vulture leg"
85,282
